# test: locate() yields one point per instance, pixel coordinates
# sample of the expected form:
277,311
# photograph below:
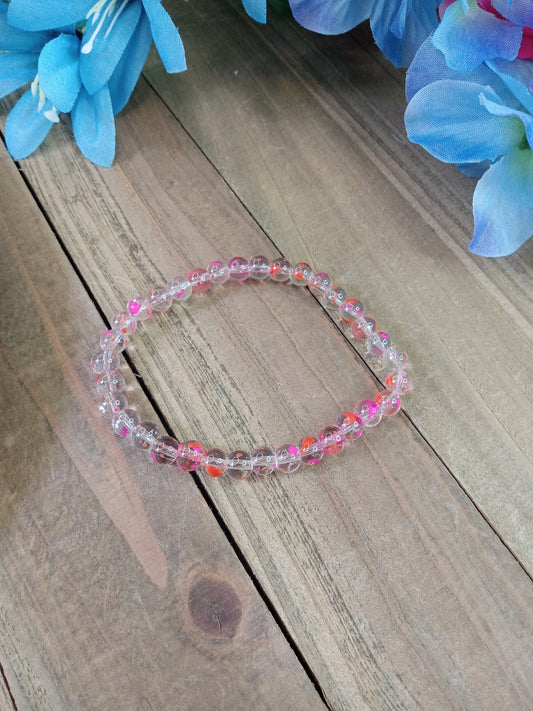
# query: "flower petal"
46,14
503,208
497,108
15,40
16,69
447,118
26,128
257,9
330,17
518,11
399,28
517,76
126,75
166,37
93,124
59,74
105,39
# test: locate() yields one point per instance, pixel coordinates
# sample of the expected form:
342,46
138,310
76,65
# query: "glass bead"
280,270
146,435
112,403
109,382
369,412
200,280
189,455
311,450
395,359
165,450
259,268
363,328
239,464
104,362
214,462
351,310
179,288
140,308
113,340
377,344
288,458
399,382
389,402
239,269
333,297
124,422
332,439
124,322
160,299
350,425
319,283
300,274
219,272
263,460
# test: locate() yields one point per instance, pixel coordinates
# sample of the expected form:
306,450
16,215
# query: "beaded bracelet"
190,455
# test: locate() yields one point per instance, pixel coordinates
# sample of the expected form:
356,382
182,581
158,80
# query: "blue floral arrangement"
469,81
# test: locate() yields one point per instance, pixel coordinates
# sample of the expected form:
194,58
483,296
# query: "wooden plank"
118,588
395,588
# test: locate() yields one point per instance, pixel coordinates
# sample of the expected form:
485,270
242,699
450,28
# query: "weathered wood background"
395,576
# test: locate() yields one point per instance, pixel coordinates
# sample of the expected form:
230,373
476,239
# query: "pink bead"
319,283
140,308
125,422
189,455
259,267
363,328
399,382
263,461
288,458
112,403
124,322
350,310
369,412
200,280
311,450
219,272
350,425
389,402
332,440
239,269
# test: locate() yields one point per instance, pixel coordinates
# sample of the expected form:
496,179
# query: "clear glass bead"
300,274
288,458
363,328
239,269
189,455
214,462
280,270
333,297
351,309
125,422
319,283
239,464
311,450
104,362
146,435
350,425
140,308
113,340
332,439
112,403
219,272
160,299
200,280
395,359
179,288
259,268
165,450
369,412
124,322
399,382
389,402
377,344
109,382
263,460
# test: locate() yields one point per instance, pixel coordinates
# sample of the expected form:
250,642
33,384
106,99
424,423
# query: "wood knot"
215,607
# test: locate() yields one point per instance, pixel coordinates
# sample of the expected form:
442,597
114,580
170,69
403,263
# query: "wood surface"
394,576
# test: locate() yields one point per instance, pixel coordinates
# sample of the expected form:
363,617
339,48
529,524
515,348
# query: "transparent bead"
219,273
214,462
399,382
239,269
179,288
125,422
288,458
124,322
333,297
104,362
351,310
165,450
109,382
140,308
189,455
113,340
363,328
332,439
395,359
146,435
280,270
350,425
160,299
319,283
377,344
112,403
369,412
239,464
259,268
263,460
311,450
389,402
300,274
200,280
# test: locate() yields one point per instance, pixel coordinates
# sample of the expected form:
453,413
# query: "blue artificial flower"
484,119
399,26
